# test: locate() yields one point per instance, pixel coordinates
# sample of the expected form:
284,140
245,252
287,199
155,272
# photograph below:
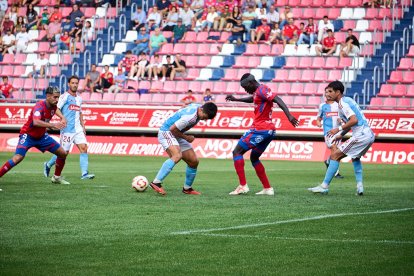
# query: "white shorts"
167,139
67,139
330,140
358,145
354,50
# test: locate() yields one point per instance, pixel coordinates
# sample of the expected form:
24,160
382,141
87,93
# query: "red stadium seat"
220,87
318,63
203,61
376,103
314,101
241,72
224,36
404,103
157,98
171,98
371,13
342,3
277,49
242,62
195,86
410,91
355,3
385,90
292,62
181,86
308,13
384,13
399,90
332,63
281,75
251,50
233,87
272,86
299,101
334,75
8,70
202,37
191,61
85,96
308,75
166,49
190,37
156,86
318,3
205,85
321,75
192,74
146,98
306,62
408,77
108,97
133,97
283,88
179,48
122,97
396,77
288,100
96,97
349,24
344,62
334,13
296,88
169,86
310,89
389,103
411,51
230,74
264,50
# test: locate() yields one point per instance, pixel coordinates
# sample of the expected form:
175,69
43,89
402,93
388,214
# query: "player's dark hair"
73,77
210,109
52,90
246,79
336,85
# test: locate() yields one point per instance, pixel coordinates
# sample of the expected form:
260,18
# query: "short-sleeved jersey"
263,105
71,109
183,119
329,114
39,112
329,42
347,108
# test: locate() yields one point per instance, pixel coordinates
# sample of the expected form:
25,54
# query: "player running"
177,144
328,117
33,134
70,103
356,146
261,133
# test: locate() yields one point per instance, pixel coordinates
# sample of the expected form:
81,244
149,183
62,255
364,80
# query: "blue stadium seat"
217,74
228,61
268,75
279,62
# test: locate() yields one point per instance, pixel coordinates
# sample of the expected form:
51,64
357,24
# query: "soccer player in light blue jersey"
328,118
70,104
177,144
356,146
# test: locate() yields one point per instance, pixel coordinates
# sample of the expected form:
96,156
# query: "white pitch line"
307,239
188,232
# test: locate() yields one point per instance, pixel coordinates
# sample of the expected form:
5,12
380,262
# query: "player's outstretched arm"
231,98
285,109
61,116
40,123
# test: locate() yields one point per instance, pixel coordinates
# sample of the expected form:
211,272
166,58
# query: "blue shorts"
257,140
45,143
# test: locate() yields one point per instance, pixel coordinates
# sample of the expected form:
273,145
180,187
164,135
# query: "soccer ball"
140,183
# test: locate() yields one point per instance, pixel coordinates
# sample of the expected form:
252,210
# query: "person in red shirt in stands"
56,15
107,79
261,33
6,89
127,62
328,45
290,33
189,99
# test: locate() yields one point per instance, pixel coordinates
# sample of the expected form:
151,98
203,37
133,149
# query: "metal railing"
75,69
405,40
86,61
385,66
395,54
376,78
111,38
122,26
365,91
99,51
63,80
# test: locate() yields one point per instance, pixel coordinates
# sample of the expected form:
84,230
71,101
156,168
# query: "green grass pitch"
102,226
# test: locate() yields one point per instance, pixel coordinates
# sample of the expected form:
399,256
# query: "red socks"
60,163
239,166
6,167
261,173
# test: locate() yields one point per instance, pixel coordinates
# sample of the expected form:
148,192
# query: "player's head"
249,83
208,111
52,95
73,83
334,91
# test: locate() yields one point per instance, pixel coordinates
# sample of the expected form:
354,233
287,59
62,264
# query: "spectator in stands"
156,41
142,42
221,20
65,25
25,2
248,3
62,42
154,19
75,14
43,21
92,79
167,68
232,20
119,82
107,79
178,32
4,5
163,6
290,33
197,6
261,33
8,41
285,16
138,19
187,16
155,68
88,31
6,89
52,31
6,25
171,20
139,68
56,15
211,16
309,33
31,15
328,45
13,14
22,40
179,67
40,66
272,16
275,35
19,24
237,33
207,97
127,62
248,17
76,31
323,26
351,45
189,98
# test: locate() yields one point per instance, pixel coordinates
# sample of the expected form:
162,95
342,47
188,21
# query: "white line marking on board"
188,232
306,239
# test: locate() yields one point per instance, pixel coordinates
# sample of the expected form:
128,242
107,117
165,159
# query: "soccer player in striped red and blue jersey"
261,133
34,134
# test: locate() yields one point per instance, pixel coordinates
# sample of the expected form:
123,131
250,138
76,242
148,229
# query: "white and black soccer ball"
140,183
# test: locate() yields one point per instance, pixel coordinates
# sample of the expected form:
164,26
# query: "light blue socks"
330,172
190,175
84,163
165,170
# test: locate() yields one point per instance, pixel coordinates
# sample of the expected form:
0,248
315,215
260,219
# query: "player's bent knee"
17,158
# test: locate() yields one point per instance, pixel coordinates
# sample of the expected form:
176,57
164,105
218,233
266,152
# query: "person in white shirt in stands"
187,16
324,25
8,41
272,15
39,66
22,40
154,18
3,8
155,68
